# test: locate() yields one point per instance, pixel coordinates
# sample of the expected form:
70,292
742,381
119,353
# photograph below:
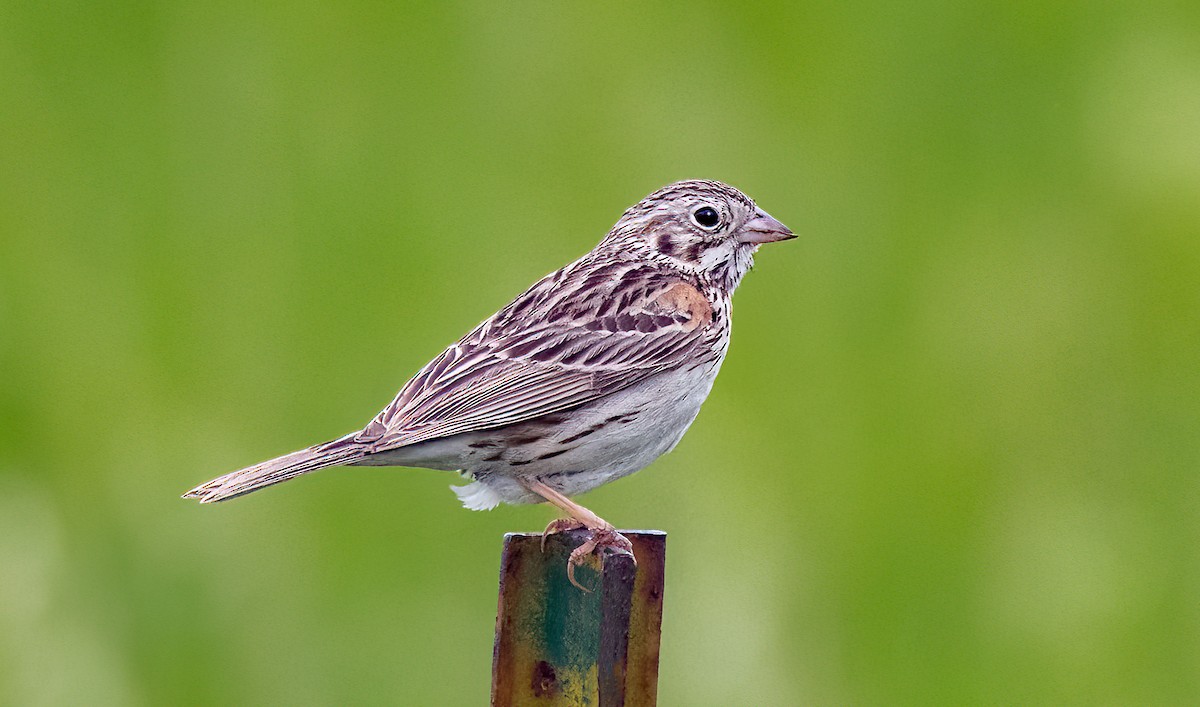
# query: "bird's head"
704,227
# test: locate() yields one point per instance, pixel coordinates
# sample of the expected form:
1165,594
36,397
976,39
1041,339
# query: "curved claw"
599,539
558,526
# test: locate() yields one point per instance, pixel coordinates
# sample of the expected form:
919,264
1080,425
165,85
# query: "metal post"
559,645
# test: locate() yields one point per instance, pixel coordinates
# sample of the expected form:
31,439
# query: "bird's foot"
598,540
560,525
601,534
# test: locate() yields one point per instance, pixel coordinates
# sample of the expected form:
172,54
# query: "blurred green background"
952,457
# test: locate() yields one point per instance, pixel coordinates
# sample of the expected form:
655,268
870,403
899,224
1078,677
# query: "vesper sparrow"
588,376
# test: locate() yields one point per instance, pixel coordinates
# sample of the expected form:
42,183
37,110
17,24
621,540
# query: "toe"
596,543
559,525
577,557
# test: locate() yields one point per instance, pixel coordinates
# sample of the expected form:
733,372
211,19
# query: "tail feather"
273,471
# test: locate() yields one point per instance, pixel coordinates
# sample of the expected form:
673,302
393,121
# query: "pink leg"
602,533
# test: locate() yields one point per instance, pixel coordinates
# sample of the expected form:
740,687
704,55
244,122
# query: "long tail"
340,451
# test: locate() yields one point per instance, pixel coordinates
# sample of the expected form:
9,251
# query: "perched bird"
590,375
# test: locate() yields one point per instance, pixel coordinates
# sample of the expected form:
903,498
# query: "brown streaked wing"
508,374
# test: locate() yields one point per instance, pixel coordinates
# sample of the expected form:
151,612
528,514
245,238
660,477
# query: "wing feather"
552,349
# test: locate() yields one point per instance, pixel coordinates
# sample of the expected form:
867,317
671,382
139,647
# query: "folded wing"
552,349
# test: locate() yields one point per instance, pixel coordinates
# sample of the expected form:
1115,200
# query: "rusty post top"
558,645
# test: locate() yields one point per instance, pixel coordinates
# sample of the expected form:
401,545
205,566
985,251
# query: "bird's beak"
764,229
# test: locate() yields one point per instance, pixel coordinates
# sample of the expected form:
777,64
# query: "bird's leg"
577,515
602,533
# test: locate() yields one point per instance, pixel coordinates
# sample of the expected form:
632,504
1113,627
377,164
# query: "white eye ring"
706,217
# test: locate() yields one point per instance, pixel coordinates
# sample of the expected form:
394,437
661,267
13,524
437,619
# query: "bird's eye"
706,217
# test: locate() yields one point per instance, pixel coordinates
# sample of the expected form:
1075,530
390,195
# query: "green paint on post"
558,645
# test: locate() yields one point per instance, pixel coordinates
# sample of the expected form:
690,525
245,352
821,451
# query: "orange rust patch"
682,298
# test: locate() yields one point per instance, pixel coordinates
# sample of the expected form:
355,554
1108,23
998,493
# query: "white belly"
574,451
650,419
